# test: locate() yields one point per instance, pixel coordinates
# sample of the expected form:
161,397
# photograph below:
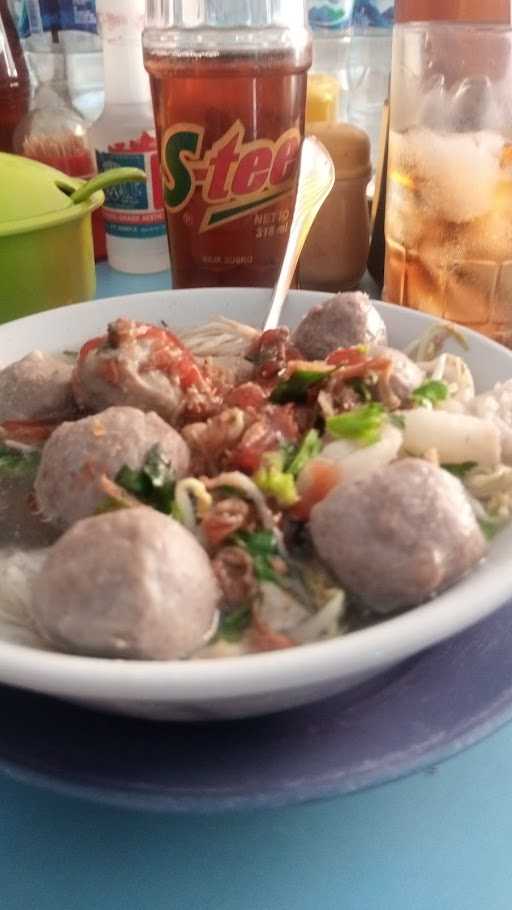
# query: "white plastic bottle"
369,66
125,135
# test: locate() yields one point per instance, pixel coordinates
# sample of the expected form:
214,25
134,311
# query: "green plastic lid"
34,196
29,189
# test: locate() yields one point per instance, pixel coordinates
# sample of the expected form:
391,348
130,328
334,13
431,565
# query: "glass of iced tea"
449,200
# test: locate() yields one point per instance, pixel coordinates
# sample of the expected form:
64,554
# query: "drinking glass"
449,201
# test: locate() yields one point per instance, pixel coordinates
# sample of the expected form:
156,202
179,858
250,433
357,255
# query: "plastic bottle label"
134,210
234,178
373,13
332,14
47,15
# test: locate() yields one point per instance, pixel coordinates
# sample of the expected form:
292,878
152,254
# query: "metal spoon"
316,179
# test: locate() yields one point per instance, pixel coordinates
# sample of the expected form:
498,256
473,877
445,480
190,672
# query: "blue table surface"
439,840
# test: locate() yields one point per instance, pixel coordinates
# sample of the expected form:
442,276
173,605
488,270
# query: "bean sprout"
455,372
220,338
190,496
431,343
324,624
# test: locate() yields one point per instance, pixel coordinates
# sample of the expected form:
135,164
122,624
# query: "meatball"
36,387
404,378
496,407
77,454
132,583
341,322
399,536
147,367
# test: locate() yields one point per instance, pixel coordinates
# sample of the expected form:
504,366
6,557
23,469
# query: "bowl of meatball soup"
200,520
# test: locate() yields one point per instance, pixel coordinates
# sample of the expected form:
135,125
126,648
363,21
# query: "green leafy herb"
309,447
14,463
153,484
278,471
296,387
233,625
460,470
398,420
363,424
361,387
489,528
262,547
432,391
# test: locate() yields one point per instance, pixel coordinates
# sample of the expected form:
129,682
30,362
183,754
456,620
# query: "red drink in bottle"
229,125
14,79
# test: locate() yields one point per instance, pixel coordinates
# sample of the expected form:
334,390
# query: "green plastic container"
46,247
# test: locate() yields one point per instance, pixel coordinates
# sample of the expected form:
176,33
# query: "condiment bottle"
453,10
323,98
14,79
53,132
335,255
124,135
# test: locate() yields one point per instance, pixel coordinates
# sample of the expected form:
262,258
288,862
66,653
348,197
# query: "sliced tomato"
263,638
247,395
353,363
317,479
347,356
92,345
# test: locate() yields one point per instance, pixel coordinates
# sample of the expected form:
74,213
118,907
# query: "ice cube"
470,290
456,174
471,106
488,238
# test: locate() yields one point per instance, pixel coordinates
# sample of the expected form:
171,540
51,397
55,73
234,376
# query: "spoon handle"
316,179
104,180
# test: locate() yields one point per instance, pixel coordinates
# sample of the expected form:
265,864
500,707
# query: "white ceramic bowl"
260,683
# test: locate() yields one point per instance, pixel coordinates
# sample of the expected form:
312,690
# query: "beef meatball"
341,322
399,536
36,387
132,583
147,367
77,454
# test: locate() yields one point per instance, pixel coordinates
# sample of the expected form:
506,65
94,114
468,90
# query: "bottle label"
374,13
134,210
47,15
236,178
332,14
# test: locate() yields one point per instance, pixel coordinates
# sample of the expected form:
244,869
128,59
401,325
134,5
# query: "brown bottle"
452,10
14,79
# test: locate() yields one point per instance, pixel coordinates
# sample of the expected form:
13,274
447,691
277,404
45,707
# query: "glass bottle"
14,79
53,132
229,93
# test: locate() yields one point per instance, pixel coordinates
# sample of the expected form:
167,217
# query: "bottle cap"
348,146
